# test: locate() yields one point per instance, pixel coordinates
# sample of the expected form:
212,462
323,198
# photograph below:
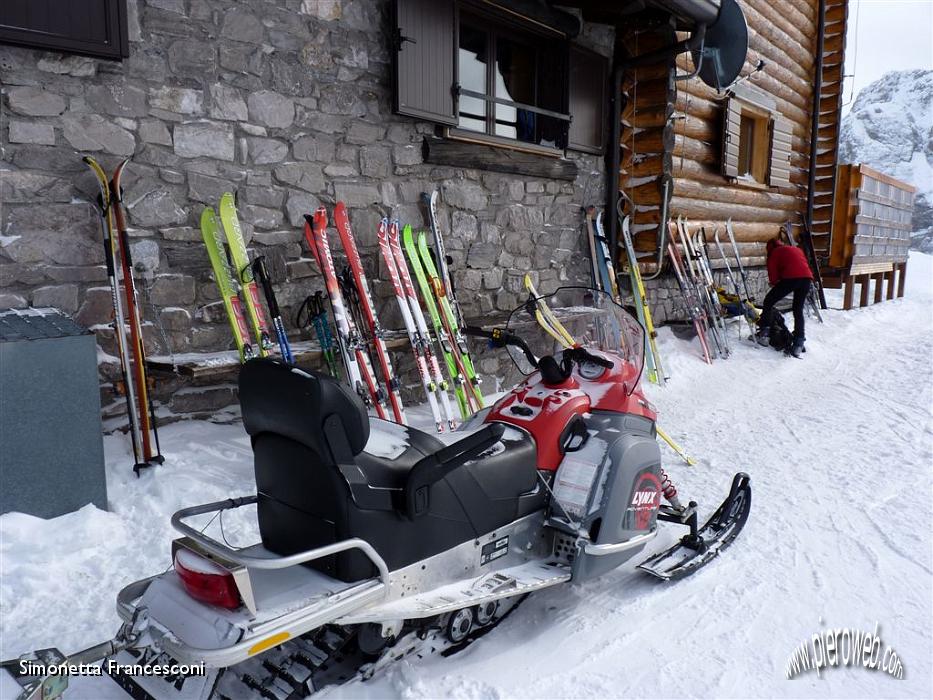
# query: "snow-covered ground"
839,446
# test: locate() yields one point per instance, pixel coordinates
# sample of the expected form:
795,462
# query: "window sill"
749,184
484,152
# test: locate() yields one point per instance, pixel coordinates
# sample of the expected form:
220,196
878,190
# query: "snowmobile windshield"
576,316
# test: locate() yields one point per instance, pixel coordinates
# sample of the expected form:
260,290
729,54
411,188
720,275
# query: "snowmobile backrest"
307,407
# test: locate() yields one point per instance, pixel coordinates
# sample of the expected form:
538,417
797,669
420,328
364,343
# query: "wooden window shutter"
779,167
425,48
588,96
92,27
731,132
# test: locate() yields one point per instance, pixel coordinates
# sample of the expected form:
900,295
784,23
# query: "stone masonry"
286,102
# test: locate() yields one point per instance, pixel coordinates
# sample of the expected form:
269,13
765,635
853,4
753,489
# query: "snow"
839,446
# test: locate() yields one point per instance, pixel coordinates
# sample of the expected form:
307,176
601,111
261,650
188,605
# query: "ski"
698,245
342,222
244,274
690,302
744,304
607,267
216,252
701,546
545,317
262,274
451,318
431,389
421,325
696,279
147,427
359,370
674,446
653,358
454,366
111,252
812,299
738,261
595,271
312,312
443,261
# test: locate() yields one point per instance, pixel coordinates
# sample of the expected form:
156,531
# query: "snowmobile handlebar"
499,338
580,354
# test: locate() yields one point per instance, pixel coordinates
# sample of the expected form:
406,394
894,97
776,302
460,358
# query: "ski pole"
674,446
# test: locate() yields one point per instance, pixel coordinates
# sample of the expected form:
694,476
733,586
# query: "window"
91,27
756,141
498,78
510,86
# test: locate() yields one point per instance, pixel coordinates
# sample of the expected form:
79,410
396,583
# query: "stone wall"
286,102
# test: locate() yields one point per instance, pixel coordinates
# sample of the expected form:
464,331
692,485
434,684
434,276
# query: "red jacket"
787,263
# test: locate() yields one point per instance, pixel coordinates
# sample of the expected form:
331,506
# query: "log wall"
674,130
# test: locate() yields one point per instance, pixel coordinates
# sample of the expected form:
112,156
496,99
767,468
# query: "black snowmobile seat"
316,484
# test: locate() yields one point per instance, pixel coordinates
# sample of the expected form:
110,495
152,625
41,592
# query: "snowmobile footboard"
192,632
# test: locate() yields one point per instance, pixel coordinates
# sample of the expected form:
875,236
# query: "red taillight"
206,581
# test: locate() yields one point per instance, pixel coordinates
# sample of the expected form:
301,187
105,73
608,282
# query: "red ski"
355,359
366,301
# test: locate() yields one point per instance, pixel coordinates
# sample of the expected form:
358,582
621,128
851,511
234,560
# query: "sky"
885,35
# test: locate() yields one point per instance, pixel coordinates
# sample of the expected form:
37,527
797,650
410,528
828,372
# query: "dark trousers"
799,287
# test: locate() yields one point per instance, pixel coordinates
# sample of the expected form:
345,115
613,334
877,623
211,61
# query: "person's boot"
798,349
762,337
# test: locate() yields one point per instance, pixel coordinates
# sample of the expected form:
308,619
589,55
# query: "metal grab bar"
600,550
251,561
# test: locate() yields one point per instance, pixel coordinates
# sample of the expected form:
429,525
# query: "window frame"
759,156
523,31
757,105
115,48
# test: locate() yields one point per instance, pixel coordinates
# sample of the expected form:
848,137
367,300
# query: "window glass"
515,81
472,76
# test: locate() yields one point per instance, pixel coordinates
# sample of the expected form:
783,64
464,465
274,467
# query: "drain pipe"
615,162
662,233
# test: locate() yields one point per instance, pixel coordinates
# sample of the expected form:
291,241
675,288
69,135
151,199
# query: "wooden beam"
848,293
465,154
879,286
864,281
889,276
901,279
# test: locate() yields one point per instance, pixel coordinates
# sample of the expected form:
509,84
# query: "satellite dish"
722,54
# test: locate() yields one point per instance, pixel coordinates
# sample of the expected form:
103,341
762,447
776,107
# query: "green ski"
244,273
450,318
457,378
217,252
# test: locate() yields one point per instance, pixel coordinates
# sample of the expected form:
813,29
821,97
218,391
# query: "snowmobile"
378,540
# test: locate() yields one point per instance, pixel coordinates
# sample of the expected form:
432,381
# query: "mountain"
890,128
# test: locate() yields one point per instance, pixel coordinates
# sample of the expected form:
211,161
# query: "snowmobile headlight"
206,581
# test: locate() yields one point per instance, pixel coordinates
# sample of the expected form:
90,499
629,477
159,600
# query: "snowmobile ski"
656,372
262,274
223,276
355,360
700,547
342,222
431,390
244,273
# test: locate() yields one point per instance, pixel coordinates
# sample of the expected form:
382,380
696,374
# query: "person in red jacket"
789,273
